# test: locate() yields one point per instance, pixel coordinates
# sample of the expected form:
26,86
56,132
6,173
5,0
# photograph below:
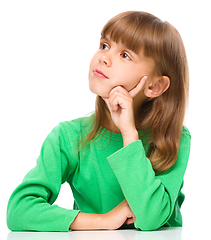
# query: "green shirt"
101,177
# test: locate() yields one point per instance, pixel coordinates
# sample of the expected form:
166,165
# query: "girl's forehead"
109,40
130,38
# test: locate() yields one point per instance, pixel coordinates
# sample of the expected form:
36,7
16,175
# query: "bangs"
131,29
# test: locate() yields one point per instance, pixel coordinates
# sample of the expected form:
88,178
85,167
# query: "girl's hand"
114,219
118,216
120,104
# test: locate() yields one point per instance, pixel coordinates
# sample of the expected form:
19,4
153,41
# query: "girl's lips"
99,74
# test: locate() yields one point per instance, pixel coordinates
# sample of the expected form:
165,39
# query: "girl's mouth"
99,74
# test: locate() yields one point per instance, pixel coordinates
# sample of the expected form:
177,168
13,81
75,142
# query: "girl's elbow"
151,221
147,225
15,219
11,222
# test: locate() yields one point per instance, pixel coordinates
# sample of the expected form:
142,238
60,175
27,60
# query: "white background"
45,50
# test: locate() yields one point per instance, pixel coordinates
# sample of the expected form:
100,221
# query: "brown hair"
163,116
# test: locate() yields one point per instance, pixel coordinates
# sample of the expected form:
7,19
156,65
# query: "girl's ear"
157,88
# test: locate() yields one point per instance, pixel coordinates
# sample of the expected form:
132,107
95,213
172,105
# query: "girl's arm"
154,199
30,207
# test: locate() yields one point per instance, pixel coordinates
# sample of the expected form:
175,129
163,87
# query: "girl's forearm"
112,220
88,221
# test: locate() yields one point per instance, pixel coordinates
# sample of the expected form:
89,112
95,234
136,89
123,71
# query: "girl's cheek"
131,84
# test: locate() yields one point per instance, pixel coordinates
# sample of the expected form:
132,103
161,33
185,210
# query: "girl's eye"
124,55
103,46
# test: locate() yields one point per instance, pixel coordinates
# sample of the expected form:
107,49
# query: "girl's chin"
99,89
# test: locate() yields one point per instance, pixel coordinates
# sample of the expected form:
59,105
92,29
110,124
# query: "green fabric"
101,176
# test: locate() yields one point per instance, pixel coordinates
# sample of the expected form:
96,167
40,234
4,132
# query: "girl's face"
115,65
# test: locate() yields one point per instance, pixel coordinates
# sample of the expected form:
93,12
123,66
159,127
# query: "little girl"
126,162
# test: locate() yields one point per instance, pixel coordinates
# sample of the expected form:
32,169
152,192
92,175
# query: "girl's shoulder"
77,126
186,132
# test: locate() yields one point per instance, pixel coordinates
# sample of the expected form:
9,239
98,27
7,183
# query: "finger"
118,89
138,87
120,93
119,99
130,220
111,105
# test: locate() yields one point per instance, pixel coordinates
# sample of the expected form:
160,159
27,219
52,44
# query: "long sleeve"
154,199
31,205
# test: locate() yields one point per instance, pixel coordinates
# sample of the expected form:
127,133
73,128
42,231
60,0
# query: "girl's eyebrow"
105,38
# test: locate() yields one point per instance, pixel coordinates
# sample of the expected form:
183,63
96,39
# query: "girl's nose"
105,59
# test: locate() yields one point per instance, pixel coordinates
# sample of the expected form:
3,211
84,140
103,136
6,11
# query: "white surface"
45,50
173,234
164,234
100,235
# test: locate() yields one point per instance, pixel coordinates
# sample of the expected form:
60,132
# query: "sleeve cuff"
127,155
